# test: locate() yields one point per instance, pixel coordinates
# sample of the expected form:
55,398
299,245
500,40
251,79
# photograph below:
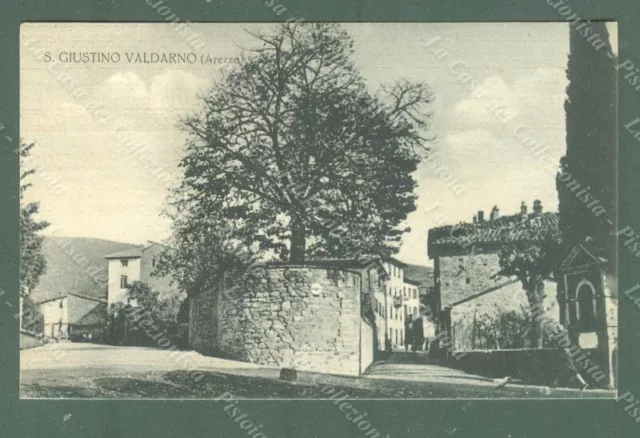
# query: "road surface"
82,370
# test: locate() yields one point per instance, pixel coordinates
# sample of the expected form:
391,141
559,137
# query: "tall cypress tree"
587,182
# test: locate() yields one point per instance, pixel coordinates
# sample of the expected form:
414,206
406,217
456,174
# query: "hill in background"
76,265
421,274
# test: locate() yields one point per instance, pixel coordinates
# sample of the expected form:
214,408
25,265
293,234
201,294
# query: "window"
405,310
123,282
153,262
586,306
415,293
415,311
124,263
404,291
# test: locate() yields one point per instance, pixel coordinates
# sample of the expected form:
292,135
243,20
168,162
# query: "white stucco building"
73,314
139,264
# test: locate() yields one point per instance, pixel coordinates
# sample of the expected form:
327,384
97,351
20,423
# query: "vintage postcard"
313,210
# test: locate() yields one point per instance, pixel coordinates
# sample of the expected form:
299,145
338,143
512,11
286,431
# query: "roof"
134,253
96,316
506,229
395,261
420,274
127,254
412,282
99,300
335,263
582,255
66,294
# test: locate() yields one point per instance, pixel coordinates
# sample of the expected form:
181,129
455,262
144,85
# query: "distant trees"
32,261
587,181
292,156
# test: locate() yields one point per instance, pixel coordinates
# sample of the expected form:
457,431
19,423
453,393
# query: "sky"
89,185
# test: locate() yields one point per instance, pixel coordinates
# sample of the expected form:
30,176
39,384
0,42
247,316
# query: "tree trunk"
535,295
298,241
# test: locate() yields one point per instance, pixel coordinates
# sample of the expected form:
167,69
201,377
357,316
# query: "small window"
124,263
415,293
123,282
153,262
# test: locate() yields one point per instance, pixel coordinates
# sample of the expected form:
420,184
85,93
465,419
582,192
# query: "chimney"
495,213
523,209
537,207
475,219
480,216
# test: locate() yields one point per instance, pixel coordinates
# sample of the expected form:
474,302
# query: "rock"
288,374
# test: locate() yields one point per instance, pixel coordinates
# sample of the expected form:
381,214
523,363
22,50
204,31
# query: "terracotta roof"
505,229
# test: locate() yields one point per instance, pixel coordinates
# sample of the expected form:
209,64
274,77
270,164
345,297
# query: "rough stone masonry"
303,317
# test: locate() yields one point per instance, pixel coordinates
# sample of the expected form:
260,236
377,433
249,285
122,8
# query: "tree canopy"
587,183
531,263
293,156
32,261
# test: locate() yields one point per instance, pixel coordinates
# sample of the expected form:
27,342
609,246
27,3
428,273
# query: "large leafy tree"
32,261
532,263
591,154
293,156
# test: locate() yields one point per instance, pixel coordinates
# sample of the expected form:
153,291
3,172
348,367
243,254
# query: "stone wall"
497,310
306,318
30,340
462,276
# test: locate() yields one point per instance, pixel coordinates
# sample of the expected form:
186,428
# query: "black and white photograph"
319,210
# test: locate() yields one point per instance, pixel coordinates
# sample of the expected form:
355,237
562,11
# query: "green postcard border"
426,418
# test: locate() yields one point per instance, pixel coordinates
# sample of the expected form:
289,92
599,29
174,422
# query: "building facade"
589,307
72,315
397,304
139,264
468,287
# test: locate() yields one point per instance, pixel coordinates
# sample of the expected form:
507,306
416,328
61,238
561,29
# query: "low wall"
306,318
532,366
366,344
29,340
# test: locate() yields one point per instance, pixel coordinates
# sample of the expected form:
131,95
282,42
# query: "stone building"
316,317
466,264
